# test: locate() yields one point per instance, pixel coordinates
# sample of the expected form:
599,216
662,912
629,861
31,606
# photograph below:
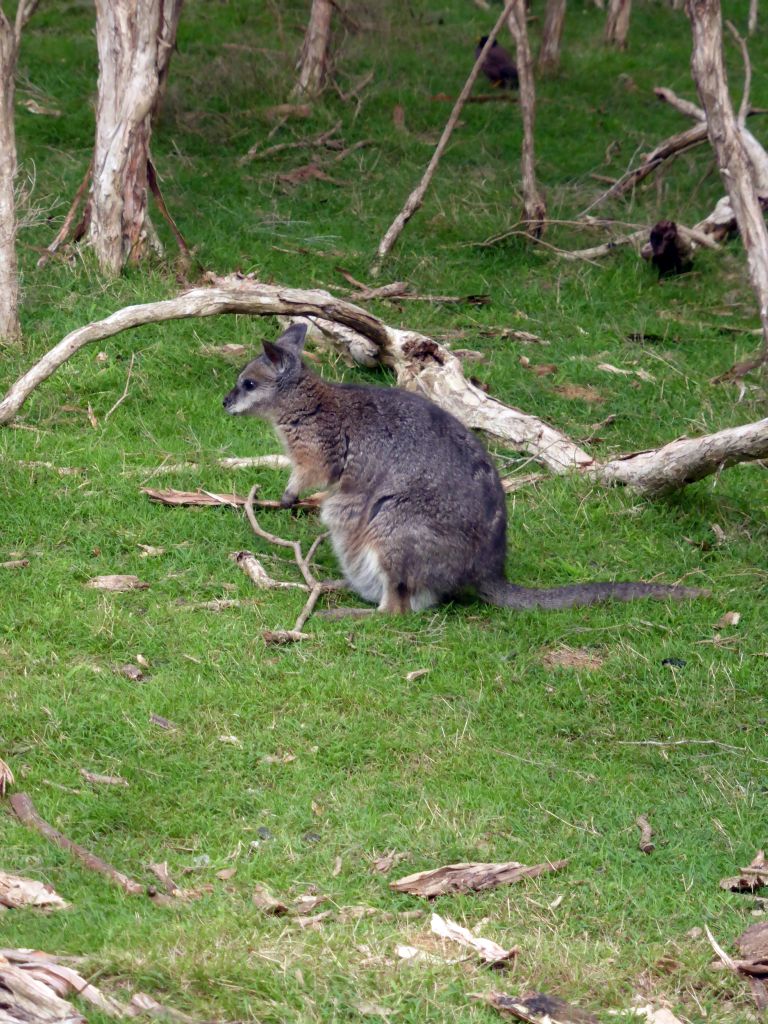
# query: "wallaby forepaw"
289,499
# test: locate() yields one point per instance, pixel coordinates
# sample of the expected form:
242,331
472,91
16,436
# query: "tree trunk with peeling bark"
551,37
421,365
617,23
738,171
135,39
314,61
9,273
534,206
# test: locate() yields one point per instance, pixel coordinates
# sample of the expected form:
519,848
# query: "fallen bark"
27,814
421,365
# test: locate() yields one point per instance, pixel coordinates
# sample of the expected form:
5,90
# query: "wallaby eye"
248,384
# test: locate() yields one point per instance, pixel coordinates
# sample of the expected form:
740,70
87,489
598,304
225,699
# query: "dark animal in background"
670,254
497,66
414,505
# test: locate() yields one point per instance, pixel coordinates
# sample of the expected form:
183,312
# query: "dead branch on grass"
311,583
416,198
470,877
324,138
422,365
28,815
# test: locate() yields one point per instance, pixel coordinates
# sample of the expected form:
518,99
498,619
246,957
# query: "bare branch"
416,198
744,105
27,814
683,105
24,12
69,220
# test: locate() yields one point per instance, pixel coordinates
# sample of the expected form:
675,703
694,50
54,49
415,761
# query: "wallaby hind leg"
396,599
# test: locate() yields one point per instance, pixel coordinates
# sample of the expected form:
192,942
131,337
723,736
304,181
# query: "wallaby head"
259,386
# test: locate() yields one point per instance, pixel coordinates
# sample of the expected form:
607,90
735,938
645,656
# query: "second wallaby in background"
414,504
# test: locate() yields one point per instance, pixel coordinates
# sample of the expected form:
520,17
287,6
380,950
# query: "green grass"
492,755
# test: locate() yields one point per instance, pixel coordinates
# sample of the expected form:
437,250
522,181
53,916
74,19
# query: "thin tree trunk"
135,40
534,206
727,140
752,23
617,23
315,52
552,34
9,275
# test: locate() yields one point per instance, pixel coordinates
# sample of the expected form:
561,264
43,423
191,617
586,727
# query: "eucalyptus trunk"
135,39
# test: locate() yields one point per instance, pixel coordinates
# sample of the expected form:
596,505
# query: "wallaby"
414,504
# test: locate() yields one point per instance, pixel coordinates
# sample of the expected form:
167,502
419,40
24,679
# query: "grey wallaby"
414,504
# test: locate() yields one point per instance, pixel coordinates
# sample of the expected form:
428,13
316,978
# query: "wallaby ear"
277,357
294,337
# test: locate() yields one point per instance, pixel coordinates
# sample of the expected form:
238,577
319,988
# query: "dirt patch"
579,658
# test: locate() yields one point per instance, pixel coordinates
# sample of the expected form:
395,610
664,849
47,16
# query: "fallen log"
421,365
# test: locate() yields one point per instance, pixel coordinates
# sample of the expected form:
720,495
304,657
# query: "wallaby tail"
507,595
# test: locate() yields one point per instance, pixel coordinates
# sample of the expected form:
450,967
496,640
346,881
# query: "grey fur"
414,504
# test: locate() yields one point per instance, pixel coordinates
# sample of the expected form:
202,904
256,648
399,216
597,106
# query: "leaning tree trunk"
617,23
552,34
314,59
135,39
534,207
9,275
736,168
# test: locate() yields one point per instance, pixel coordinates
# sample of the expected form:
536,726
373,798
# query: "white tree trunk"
617,23
9,276
738,171
135,39
534,206
314,59
552,34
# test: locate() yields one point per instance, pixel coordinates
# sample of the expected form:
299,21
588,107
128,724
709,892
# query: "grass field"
496,753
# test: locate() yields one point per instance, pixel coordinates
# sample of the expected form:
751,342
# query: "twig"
69,220
646,843
316,587
356,89
124,395
682,743
416,198
27,814
321,139
294,545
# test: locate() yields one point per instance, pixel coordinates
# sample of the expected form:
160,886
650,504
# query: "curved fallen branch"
421,365
686,460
